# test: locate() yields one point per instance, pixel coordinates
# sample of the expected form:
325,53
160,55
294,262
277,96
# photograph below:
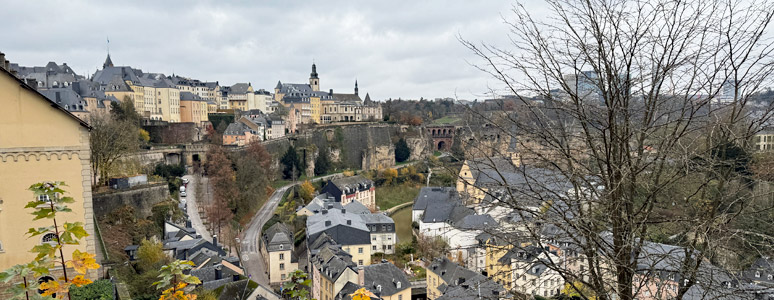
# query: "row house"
277,251
352,188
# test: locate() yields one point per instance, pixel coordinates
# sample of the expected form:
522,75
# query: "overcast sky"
394,49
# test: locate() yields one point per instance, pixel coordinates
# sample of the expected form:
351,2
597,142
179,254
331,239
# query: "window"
360,262
282,266
1,247
374,248
283,276
360,250
389,247
49,238
400,297
282,256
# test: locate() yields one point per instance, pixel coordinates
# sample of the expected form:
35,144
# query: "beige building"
240,95
193,109
332,269
39,141
764,140
278,254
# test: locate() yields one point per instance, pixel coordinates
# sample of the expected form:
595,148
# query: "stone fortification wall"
141,198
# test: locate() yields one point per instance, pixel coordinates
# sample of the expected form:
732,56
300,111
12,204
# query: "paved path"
193,211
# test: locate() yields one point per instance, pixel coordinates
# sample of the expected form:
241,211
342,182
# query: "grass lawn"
445,120
390,196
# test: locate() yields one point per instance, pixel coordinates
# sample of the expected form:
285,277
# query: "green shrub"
98,290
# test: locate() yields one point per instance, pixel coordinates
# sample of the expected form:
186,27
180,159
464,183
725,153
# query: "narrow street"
192,207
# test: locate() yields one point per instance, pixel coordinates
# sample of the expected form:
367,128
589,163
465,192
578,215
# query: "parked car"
182,194
182,188
185,180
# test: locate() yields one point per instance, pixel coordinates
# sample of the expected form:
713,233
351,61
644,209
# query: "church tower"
314,81
355,87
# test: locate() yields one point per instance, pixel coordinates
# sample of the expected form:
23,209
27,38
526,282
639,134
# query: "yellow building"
316,107
31,151
497,268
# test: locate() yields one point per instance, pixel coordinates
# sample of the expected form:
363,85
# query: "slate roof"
480,289
236,128
391,279
435,194
107,74
278,238
344,227
348,289
66,98
356,207
332,262
347,98
475,222
240,88
188,96
352,183
763,267
322,240
453,274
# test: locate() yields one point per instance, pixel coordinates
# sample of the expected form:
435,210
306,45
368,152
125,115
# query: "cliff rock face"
418,146
378,157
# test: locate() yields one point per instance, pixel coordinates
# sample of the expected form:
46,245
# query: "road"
251,256
250,237
193,211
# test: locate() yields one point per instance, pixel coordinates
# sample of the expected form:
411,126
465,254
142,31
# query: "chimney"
343,210
361,276
188,224
215,240
218,273
324,211
2,60
330,93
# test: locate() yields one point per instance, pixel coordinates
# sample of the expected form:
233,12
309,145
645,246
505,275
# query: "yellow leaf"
80,281
82,261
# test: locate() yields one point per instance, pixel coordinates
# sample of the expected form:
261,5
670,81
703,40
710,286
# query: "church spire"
314,72
356,87
108,62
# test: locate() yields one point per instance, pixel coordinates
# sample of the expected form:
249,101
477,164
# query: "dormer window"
757,274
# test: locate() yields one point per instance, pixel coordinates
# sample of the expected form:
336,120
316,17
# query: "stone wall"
141,198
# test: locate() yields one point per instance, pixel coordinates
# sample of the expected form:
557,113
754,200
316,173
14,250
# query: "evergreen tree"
323,163
291,164
402,151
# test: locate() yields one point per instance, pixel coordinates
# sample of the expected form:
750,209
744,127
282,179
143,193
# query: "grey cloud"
405,49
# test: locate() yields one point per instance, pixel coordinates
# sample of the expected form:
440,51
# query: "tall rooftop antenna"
108,45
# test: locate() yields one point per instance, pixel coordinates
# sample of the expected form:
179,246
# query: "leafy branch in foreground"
50,200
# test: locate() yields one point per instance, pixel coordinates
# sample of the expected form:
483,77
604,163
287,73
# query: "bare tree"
627,151
110,140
